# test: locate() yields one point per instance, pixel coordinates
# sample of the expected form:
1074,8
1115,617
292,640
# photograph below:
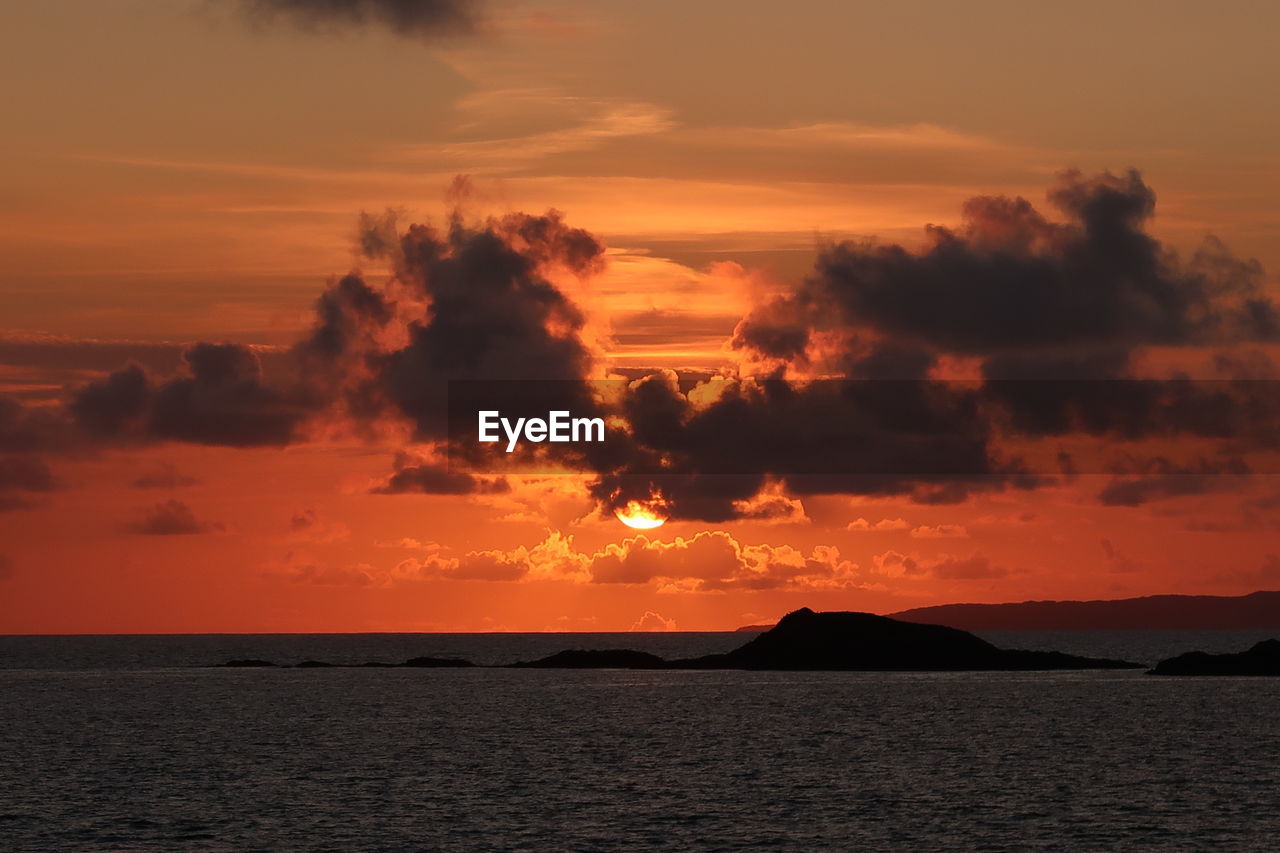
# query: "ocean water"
135,744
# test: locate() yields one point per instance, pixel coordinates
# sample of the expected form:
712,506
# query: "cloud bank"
418,19
1053,314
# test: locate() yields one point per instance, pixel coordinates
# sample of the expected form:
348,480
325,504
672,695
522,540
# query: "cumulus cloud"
710,561
171,518
421,19
714,560
1010,286
552,559
651,621
940,531
221,399
883,525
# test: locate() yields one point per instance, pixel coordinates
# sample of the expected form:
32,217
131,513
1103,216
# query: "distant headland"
1255,611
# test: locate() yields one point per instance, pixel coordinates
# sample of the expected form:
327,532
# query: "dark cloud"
413,475
492,312
20,476
29,428
930,441
339,361
349,315
221,400
1027,299
171,518
1010,284
1161,478
305,519
112,405
974,567
27,434
423,19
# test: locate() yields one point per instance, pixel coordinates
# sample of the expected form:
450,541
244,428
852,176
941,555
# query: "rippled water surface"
127,756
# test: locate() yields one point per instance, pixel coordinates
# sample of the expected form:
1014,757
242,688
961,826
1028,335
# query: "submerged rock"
805,640
597,659
1262,659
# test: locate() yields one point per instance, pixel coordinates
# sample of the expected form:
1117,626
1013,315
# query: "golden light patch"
640,516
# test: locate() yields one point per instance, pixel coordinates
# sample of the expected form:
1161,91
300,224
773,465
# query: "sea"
141,743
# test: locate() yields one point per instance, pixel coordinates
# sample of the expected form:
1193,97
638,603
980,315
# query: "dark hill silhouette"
805,640
1256,611
1262,659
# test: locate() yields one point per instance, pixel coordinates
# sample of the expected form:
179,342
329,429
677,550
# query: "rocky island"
805,640
1262,659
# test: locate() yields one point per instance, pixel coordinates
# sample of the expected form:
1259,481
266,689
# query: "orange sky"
181,174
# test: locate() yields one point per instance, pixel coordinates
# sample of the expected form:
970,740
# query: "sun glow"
640,515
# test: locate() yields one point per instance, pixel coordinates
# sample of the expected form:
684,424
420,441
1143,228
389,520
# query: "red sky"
743,177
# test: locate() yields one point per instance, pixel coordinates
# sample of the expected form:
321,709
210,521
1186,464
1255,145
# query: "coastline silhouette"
806,640
1263,659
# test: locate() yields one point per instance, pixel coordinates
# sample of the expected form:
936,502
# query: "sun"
640,515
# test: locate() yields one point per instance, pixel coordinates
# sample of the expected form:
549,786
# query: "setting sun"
640,516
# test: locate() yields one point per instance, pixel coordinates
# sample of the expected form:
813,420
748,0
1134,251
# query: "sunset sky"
743,190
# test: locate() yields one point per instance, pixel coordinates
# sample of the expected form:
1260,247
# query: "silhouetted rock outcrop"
1262,659
313,664
597,659
805,640
247,662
